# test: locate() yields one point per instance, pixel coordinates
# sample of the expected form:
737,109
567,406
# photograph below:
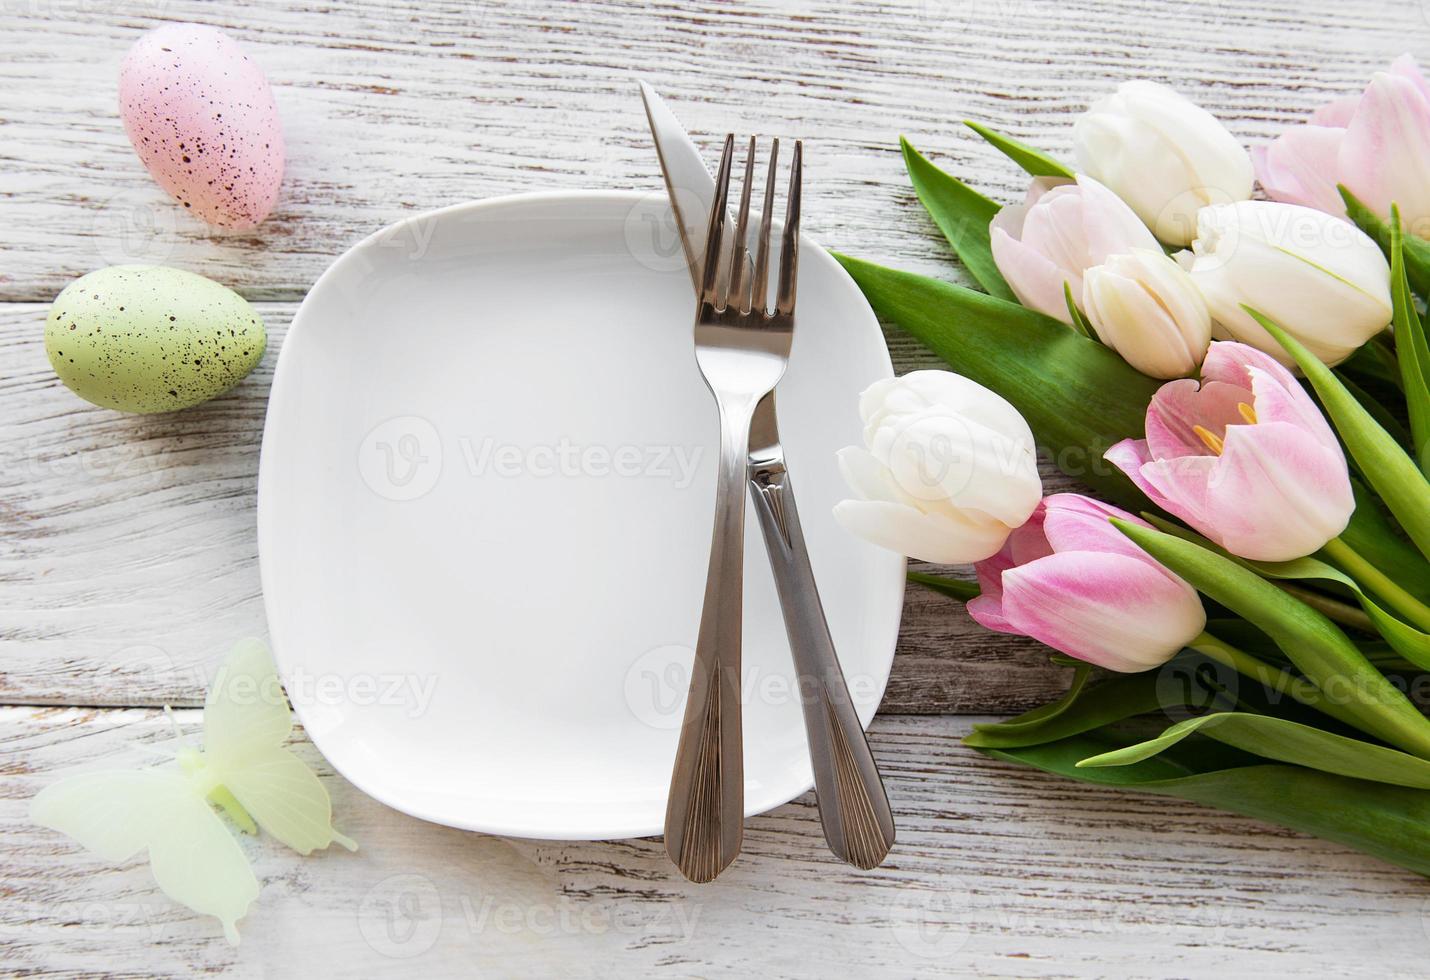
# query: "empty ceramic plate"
484,513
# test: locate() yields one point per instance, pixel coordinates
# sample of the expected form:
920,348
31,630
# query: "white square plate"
484,514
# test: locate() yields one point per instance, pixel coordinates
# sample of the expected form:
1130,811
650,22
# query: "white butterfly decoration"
243,768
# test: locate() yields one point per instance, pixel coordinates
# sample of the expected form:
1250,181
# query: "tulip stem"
1358,568
1260,671
1300,689
1341,612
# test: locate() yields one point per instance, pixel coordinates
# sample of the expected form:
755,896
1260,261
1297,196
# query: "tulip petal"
869,478
1406,68
1386,153
1110,226
1278,493
942,460
1179,485
987,611
926,537
1095,606
1178,406
1337,113
1276,396
1129,456
990,573
1073,522
1143,323
1275,401
1029,542
1036,282
1025,544
1322,276
1166,156
950,393
1231,363
1301,166
1055,230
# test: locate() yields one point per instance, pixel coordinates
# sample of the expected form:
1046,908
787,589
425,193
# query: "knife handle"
853,807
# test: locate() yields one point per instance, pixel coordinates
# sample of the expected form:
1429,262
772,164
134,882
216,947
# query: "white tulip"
1162,154
1318,277
1148,309
950,469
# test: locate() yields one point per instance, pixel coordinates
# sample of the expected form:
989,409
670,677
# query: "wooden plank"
131,564
998,870
390,109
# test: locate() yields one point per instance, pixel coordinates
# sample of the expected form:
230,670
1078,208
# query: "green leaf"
1406,640
1283,741
1390,471
1382,415
1372,534
1373,361
1417,250
952,587
1043,715
1084,708
1410,348
1389,822
1353,690
1035,162
1079,322
962,214
1189,683
1078,396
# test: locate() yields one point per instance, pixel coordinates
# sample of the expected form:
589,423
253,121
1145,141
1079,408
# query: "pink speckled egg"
201,116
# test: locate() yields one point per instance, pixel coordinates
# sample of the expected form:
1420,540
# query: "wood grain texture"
391,108
998,870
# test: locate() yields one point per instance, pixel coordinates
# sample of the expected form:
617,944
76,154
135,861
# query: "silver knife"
853,806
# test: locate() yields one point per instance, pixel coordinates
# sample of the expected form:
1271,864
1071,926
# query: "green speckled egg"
147,338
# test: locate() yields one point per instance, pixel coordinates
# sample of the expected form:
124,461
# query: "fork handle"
853,807
704,817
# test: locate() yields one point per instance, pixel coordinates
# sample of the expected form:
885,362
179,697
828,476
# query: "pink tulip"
1060,231
1244,456
1075,582
1377,144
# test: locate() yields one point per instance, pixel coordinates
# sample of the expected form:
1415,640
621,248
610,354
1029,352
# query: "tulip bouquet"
1244,384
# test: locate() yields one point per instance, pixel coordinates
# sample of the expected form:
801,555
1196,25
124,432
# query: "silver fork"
742,349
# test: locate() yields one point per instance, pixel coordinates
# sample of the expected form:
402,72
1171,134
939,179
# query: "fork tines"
728,283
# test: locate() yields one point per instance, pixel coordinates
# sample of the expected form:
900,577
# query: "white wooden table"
128,543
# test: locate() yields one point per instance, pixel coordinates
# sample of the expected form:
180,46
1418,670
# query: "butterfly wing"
246,722
283,795
109,813
193,856
246,705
